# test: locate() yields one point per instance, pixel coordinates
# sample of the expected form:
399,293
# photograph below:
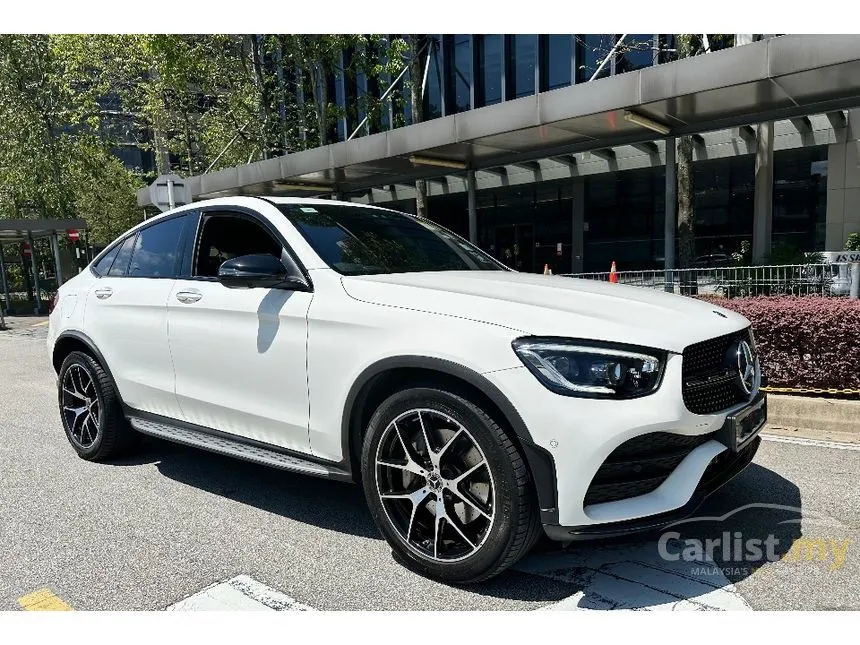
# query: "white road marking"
634,577
814,443
241,593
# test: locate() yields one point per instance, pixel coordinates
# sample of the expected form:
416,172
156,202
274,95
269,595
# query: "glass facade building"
622,212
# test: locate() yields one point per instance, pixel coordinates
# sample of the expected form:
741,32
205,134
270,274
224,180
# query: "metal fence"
733,282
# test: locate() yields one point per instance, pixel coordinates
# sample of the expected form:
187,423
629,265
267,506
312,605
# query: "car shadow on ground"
623,573
634,573
334,505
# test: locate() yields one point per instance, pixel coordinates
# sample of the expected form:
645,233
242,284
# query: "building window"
556,53
433,91
636,52
521,65
489,87
458,75
591,50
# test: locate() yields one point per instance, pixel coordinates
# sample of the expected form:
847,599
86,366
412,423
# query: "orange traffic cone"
613,274
547,270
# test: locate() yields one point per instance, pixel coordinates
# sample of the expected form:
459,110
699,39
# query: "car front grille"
709,380
640,465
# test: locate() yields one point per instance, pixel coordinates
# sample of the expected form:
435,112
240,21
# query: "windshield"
354,240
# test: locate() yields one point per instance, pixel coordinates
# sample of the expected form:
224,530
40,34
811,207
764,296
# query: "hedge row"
807,341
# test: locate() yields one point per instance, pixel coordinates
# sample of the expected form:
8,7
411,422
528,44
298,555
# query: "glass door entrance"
514,245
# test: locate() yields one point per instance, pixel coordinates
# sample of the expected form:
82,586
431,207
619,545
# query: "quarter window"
119,265
103,265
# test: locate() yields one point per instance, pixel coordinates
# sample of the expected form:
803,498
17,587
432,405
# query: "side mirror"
259,270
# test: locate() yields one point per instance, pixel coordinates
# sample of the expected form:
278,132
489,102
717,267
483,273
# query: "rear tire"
91,411
471,511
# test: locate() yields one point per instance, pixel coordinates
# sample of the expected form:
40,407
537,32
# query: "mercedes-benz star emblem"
746,367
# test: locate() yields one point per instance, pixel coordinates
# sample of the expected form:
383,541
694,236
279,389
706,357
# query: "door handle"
188,296
103,293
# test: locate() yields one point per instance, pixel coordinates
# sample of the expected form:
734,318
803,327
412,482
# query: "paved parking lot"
175,528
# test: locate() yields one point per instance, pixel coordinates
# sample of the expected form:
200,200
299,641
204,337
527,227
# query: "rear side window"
157,250
120,264
103,265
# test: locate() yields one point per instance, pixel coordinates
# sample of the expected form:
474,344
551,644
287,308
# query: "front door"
515,246
239,354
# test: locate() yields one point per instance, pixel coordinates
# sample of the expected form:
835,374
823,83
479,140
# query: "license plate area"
742,426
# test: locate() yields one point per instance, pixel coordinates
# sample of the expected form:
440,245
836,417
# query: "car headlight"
594,370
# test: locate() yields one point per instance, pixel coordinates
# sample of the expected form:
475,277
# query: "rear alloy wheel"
447,487
90,410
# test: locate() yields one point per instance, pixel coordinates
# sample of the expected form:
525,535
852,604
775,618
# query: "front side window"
357,241
224,237
157,249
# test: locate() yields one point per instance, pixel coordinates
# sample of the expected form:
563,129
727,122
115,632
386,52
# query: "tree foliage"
70,104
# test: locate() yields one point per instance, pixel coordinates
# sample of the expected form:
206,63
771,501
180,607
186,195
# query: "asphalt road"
148,532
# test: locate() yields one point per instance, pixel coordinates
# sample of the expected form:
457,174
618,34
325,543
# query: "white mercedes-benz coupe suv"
477,406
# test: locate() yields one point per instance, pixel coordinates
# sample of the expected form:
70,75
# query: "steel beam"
648,147
670,223
607,154
746,133
803,124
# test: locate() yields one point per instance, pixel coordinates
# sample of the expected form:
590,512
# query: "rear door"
126,313
240,354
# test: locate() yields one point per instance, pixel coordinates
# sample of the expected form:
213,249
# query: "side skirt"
233,446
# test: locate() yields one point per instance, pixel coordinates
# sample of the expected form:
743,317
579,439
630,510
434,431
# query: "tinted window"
489,70
558,51
157,250
103,265
121,263
521,67
356,240
225,237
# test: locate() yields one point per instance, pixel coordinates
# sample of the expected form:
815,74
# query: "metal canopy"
778,78
20,230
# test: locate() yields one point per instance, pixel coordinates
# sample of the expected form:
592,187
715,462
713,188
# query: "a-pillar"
763,203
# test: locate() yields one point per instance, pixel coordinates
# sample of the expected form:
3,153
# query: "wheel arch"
385,377
72,340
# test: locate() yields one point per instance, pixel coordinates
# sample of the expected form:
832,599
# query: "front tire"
91,412
447,487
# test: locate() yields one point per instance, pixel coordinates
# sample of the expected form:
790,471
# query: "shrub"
808,341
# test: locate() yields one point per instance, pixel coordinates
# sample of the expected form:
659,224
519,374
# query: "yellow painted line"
43,600
41,324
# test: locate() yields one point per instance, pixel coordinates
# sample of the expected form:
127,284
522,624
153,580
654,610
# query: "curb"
816,413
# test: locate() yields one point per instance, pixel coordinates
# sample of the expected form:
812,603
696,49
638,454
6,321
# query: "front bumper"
575,436
734,464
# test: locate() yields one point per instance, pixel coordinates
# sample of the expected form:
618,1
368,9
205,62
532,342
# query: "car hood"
552,306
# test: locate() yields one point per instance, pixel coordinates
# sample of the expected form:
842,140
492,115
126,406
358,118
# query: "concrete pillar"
471,187
763,205
577,251
843,184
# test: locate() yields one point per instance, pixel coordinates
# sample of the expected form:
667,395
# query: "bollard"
855,281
